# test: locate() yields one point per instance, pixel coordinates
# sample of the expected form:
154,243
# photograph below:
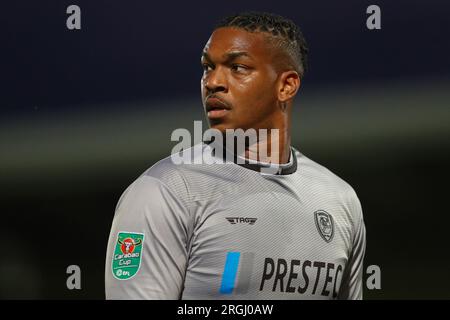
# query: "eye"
238,68
206,67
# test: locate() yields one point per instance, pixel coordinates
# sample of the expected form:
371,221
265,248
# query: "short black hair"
290,37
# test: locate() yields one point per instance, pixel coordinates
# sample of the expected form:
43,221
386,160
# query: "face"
239,81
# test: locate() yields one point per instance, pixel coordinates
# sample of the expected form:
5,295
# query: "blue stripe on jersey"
230,272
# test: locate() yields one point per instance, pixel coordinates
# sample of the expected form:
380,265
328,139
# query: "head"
253,65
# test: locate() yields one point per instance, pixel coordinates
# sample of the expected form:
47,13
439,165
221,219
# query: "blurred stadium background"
86,112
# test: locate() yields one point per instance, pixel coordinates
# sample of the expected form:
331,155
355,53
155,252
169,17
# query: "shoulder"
324,181
165,175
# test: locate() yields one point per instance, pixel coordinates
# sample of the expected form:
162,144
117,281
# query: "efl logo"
235,220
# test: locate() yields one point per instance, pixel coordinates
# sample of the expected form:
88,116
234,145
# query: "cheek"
255,93
202,86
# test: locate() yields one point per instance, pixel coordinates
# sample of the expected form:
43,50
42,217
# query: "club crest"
325,224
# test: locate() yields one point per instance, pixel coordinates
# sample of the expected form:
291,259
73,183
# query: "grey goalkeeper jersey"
231,231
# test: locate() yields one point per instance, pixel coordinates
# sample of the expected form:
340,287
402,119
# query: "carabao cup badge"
127,256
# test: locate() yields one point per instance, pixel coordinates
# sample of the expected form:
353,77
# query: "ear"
288,85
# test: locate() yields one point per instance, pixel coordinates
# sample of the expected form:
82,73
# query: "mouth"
216,108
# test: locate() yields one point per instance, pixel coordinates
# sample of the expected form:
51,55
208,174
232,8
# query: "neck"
274,147
269,145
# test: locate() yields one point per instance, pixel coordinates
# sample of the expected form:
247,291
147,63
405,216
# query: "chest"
267,245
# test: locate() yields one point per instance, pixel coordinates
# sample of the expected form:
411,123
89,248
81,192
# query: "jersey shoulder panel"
330,183
197,180
171,175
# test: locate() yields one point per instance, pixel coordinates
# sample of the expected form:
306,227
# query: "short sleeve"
149,215
352,280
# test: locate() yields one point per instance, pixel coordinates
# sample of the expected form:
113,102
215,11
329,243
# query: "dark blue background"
83,113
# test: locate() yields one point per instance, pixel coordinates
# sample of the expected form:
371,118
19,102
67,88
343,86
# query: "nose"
215,81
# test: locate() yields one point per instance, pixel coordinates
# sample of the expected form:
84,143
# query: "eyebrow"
229,56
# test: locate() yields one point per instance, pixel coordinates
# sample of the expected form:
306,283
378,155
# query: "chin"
220,126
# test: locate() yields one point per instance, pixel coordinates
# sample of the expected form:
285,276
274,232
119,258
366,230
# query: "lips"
216,108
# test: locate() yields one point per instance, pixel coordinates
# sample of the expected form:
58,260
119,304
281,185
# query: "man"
231,230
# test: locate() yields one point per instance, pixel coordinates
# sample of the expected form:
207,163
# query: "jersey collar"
275,169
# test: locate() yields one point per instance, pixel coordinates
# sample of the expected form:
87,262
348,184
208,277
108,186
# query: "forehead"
228,39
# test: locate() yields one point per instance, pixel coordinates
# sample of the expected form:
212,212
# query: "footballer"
232,230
